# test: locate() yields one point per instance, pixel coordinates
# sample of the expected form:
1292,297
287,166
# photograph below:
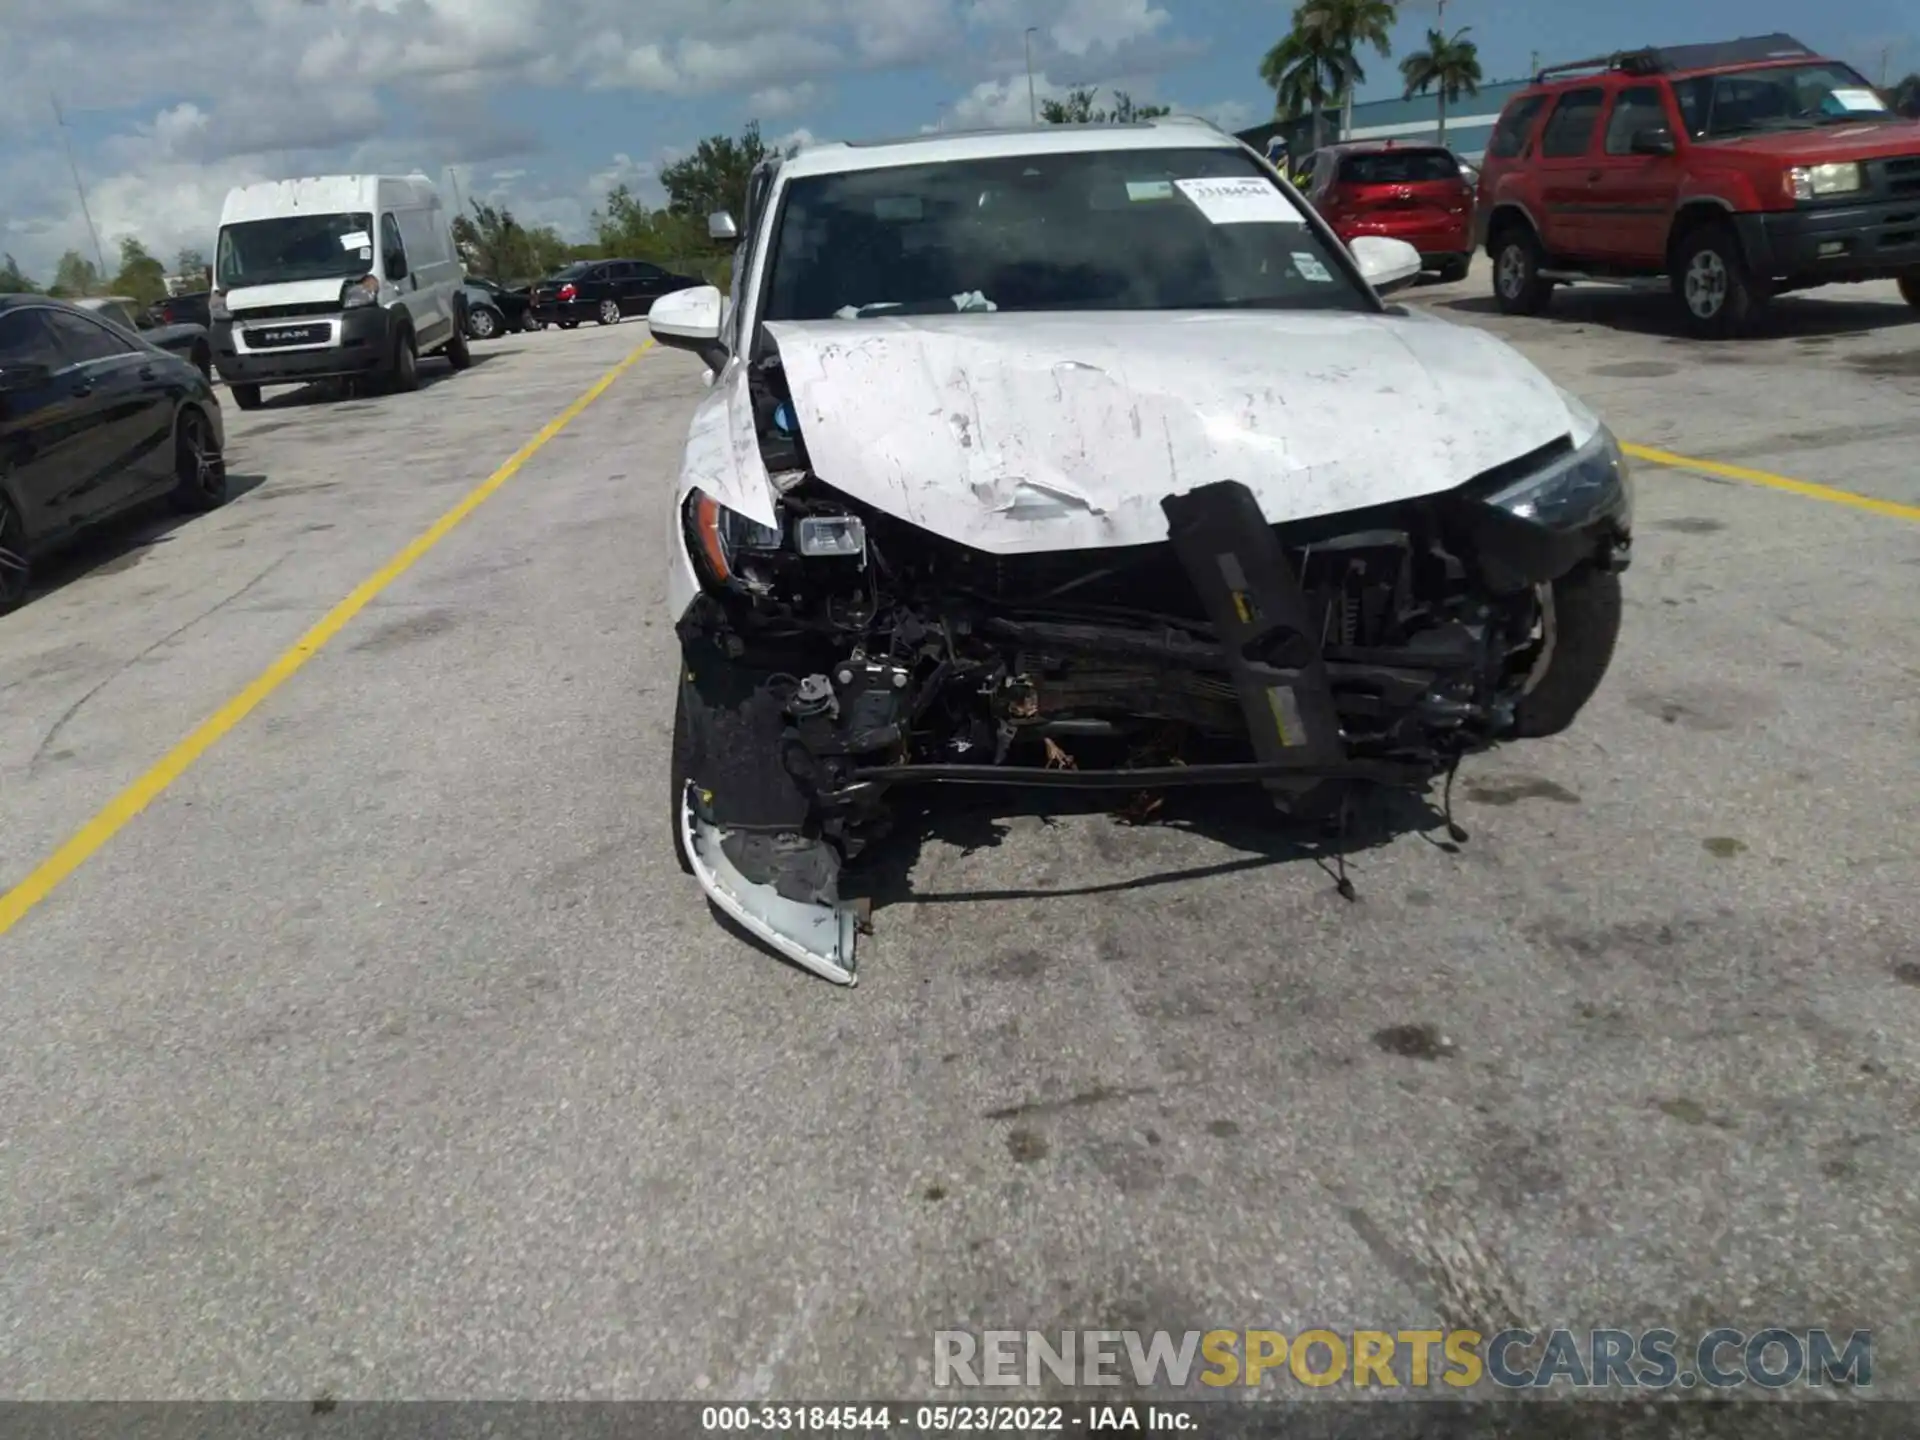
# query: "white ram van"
335,276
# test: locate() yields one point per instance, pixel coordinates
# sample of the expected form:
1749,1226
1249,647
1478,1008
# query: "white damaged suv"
1088,457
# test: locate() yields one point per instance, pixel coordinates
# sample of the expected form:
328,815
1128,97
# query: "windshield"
1399,167
1777,97
1202,229
295,247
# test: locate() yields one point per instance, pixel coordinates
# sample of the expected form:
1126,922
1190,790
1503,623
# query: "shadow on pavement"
1647,313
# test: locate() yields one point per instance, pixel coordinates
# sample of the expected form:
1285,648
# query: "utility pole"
67,140
1886,53
1033,105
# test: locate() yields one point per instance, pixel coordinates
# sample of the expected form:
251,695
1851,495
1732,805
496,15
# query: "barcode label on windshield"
1249,201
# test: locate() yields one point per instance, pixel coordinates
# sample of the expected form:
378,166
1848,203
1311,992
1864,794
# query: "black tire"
16,563
483,323
1518,287
1910,288
1718,298
404,372
679,767
459,354
609,312
199,469
247,397
1583,629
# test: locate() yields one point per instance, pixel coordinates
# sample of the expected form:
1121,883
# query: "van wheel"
16,573
1580,625
405,374
247,397
1517,283
1718,298
199,469
459,353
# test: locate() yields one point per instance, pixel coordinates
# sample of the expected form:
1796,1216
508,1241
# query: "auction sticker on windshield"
1310,268
1249,201
357,240
1857,101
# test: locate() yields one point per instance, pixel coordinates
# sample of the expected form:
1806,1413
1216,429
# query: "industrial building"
1470,122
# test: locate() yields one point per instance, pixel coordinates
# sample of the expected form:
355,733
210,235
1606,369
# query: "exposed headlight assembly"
725,539
355,293
1812,182
1574,487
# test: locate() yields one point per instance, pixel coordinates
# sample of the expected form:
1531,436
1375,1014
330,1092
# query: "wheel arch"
1503,217
1691,216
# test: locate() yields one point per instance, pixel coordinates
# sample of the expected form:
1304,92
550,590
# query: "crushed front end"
845,652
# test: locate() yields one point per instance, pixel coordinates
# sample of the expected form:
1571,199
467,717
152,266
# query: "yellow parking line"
1892,509
16,902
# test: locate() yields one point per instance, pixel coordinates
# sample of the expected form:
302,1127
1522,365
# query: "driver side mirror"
1652,140
1387,265
720,227
691,319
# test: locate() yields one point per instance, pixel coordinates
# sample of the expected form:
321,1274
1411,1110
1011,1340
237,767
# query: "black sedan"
93,421
186,338
603,290
494,309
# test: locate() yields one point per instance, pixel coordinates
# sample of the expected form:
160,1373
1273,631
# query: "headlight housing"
726,543
1573,487
355,293
217,306
1814,182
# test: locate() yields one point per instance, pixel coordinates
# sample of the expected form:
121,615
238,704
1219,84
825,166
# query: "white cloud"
995,103
240,90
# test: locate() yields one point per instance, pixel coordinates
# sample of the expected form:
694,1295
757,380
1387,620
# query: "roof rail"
1662,60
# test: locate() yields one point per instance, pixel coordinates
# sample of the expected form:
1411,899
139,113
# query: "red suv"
1733,172
1415,193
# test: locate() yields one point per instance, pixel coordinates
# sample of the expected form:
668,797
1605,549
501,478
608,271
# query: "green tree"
75,276
1320,55
142,278
1450,66
191,264
625,226
1905,96
13,280
714,177
1078,109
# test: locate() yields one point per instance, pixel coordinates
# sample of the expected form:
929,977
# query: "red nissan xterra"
1731,172
1415,193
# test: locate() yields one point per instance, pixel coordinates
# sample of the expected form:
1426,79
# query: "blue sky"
545,103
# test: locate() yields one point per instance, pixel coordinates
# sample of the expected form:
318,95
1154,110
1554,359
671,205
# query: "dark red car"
1416,193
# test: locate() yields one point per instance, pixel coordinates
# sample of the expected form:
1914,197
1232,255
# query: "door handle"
83,388
146,372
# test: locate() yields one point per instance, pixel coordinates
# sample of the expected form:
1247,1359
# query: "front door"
1568,172
48,432
1635,195
125,385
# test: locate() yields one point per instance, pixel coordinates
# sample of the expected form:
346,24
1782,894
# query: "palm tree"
1303,79
1338,30
1450,66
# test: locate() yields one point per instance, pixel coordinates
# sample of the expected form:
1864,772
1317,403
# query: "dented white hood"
1015,433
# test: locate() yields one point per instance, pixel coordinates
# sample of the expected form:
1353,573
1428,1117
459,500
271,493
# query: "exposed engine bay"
846,652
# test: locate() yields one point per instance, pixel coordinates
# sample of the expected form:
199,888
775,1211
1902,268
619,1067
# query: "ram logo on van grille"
288,335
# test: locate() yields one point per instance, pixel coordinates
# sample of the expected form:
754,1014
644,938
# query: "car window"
1510,135
83,338
1777,97
26,340
644,271
1570,128
620,270
1399,167
392,248
1637,108
1188,229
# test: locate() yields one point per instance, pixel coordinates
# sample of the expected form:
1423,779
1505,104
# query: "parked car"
494,309
1096,459
193,342
93,420
1729,173
335,277
191,308
1415,193
603,290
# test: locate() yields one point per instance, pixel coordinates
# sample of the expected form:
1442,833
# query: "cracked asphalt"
388,1054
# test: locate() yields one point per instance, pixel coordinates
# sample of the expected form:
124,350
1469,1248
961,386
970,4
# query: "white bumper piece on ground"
818,937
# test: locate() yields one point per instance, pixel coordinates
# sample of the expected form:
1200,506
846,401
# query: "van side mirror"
1652,140
720,227
396,267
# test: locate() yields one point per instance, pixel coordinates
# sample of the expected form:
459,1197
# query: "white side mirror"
1385,264
720,227
691,320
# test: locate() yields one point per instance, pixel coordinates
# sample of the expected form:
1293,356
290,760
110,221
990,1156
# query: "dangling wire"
1455,832
1340,881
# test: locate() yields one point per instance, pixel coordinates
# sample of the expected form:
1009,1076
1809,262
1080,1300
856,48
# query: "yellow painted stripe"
1807,489
142,792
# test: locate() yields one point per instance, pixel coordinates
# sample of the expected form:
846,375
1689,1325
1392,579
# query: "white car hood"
292,292
1015,433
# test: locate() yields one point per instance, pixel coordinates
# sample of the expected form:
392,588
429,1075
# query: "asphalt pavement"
387,1053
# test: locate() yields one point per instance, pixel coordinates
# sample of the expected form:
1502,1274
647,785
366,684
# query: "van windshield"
295,247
